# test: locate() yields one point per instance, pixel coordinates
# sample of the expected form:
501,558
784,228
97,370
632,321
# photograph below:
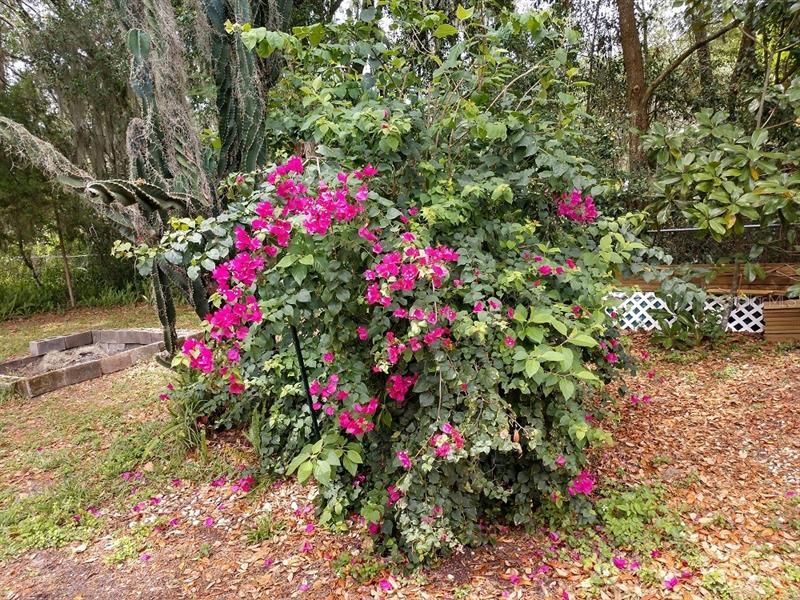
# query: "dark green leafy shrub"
684,322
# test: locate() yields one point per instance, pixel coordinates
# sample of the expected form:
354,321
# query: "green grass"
73,449
17,333
265,529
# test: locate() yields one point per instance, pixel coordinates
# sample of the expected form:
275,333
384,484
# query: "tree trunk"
705,72
635,82
745,62
62,247
28,262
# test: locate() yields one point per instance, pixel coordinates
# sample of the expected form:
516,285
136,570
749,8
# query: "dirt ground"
721,436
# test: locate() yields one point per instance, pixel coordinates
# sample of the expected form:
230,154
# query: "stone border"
150,343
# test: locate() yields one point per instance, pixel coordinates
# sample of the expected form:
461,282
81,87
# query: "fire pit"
61,361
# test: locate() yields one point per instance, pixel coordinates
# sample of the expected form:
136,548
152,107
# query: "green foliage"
363,567
684,322
94,286
130,546
638,518
720,178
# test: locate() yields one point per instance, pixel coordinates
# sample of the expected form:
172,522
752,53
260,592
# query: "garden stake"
314,424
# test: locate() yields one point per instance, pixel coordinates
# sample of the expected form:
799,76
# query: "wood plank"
779,277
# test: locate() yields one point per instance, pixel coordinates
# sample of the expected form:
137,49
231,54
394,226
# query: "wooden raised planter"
782,320
122,348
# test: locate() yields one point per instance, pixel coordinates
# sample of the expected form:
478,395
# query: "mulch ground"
722,433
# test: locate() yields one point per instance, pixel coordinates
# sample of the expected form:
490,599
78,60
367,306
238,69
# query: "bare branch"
684,55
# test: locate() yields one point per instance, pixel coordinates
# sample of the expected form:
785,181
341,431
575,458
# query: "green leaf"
552,356
296,462
586,376
445,30
354,456
559,326
583,340
349,466
139,44
367,15
462,14
532,367
567,388
322,472
503,192
286,261
304,472
308,259
252,37
299,273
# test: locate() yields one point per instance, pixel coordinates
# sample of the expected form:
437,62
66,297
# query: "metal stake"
296,339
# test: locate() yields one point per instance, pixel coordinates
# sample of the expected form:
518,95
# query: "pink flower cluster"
576,207
397,386
357,426
583,484
443,442
399,271
394,495
404,460
243,484
268,231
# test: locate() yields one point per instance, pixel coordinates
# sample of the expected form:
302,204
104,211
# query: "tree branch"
683,56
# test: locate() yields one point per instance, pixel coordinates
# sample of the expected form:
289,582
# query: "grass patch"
129,546
362,568
74,450
639,518
265,529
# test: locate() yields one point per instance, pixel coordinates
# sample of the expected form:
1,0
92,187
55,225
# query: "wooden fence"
759,306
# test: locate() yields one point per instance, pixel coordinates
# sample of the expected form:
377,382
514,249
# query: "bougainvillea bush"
447,271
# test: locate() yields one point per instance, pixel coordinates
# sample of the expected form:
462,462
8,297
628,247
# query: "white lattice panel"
634,313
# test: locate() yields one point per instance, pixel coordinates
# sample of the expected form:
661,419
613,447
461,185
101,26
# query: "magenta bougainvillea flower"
670,582
510,341
243,484
394,495
620,563
583,484
404,460
576,207
208,522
